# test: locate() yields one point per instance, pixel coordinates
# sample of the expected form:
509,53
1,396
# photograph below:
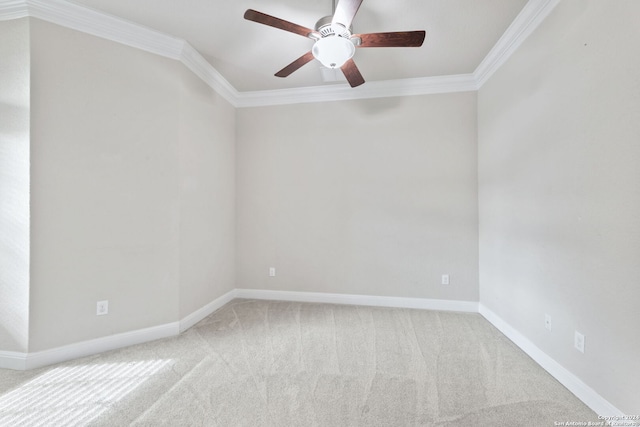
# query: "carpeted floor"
266,363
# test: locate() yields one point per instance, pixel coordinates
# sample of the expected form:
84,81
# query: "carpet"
270,363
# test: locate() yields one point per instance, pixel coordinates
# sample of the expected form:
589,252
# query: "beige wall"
14,185
207,195
559,191
373,197
149,190
119,204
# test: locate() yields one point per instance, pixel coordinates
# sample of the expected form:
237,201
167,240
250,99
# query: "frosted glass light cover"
333,51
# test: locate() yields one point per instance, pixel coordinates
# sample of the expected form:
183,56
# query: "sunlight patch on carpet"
74,395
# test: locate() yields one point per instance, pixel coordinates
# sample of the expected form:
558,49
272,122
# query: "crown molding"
342,92
109,27
89,21
13,9
192,59
86,20
531,16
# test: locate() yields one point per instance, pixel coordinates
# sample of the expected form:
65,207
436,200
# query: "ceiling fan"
335,44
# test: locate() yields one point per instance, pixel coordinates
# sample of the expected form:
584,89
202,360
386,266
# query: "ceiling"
460,33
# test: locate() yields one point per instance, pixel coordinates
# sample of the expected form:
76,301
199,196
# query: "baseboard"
582,391
205,311
368,300
13,360
24,361
99,345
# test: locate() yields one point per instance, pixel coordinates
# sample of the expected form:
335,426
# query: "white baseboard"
13,360
24,361
205,311
99,345
368,300
582,391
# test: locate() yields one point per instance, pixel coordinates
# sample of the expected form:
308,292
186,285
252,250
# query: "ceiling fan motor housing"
324,27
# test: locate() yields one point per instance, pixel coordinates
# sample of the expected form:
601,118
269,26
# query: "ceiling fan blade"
352,73
272,21
345,12
295,65
397,39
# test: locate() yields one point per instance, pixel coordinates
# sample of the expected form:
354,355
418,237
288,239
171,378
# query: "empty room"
319,213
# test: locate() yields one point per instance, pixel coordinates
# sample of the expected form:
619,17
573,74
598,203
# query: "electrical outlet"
445,279
102,308
272,272
578,342
547,321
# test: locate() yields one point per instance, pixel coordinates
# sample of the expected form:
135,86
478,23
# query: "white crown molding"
13,9
531,16
342,92
89,21
112,28
192,59
585,393
109,27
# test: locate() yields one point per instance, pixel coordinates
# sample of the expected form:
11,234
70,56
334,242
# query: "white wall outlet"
578,342
102,308
445,279
547,321
272,272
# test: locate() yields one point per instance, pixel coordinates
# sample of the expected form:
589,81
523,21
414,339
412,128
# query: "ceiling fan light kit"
333,51
334,44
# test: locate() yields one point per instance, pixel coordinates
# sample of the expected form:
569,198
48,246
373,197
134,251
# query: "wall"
133,186
207,196
121,194
559,191
372,197
14,185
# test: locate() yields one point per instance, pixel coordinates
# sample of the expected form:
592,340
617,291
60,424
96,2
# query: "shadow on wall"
378,106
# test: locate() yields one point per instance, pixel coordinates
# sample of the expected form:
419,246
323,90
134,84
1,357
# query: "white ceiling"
460,33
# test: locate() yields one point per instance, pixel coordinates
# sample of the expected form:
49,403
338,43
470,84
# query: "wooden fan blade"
397,39
295,65
352,73
272,21
345,12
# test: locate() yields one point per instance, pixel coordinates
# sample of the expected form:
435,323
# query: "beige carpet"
261,363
